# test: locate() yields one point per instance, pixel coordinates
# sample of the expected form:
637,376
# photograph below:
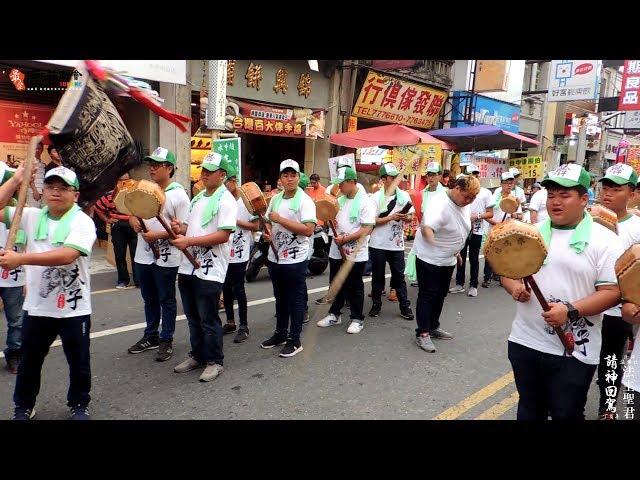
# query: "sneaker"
211,372
164,351
414,284
188,365
273,342
23,413
440,334
496,277
486,284
393,296
122,285
322,301
375,309
406,313
228,328
144,344
242,335
425,343
13,361
473,292
291,348
456,289
306,317
330,320
80,412
355,327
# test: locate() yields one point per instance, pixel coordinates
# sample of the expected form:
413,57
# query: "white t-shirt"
176,206
539,204
568,276
213,260
629,234
65,290
389,236
366,217
17,276
451,225
483,200
292,248
498,214
242,239
519,193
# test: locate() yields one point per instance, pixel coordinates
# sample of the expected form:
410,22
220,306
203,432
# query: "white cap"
434,167
68,176
460,175
288,163
472,168
507,176
514,171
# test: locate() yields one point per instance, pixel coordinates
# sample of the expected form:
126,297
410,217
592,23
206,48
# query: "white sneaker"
355,327
330,320
473,292
456,289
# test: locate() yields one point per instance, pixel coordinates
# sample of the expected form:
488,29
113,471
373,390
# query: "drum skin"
509,204
605,217
628,272
122,188
146,200
253,198
326,207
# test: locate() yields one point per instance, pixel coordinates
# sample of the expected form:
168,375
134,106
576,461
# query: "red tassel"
96,70
150,104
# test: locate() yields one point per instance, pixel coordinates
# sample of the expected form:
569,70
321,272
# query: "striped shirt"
106,206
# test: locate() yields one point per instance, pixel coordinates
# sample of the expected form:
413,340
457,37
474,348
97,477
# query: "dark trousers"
379,259
353,289
473,245
158,289
234,287
200,303
290,291
615,333
433,286
38,333
488,271
549,384
123,236
12,299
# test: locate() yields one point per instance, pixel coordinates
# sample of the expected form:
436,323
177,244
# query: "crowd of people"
53,248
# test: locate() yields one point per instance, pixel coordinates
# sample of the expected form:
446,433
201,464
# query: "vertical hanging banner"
629,94
229,148
215,119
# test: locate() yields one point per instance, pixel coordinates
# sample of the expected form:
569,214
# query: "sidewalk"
99,262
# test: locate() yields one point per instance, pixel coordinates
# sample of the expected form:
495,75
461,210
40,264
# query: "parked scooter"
320,251
257,257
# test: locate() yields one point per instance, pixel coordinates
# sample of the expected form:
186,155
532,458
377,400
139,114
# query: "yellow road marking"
500,408
474,399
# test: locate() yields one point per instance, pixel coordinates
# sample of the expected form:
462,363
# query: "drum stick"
154,247
173,235
332,224
22,195
566,338
263,227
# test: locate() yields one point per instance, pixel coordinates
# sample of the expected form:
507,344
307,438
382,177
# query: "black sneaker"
486,283
228,328
164,351
291,348
322,301
23,413
406,313
242,335
273,342
80,412
375,309
144,344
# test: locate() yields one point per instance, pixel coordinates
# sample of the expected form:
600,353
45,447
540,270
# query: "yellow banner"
412,155
392,100
530,167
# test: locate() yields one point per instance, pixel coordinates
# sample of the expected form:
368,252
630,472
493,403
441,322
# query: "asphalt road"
377,374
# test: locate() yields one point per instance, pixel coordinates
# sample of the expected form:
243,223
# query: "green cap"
67,176
213,161
434,167
345,173
389,169
569,175
162,155
304,181
622,174
231,172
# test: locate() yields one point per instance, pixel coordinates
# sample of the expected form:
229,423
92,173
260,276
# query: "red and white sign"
490,167
18,123
630,93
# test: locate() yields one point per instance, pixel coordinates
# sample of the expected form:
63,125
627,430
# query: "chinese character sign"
229,148
573,80
530,167
414,155
629,99
349,158
490,167
388,99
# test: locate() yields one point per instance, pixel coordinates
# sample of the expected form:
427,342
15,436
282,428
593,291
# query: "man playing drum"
207,233
386,244
618,186
293,217
579,281
158,276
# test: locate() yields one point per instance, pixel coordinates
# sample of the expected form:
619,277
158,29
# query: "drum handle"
173,235
565,337
154,247
263,226
335,236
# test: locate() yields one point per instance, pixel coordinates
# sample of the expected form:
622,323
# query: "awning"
483,137
388,135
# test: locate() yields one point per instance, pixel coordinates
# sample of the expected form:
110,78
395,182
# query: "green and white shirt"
242,239
629,234
292,247
389,236
347,225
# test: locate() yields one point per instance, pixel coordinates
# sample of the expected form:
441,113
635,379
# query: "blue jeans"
200,303
290,291
158,288
13,298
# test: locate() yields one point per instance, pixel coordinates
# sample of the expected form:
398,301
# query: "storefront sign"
333,163
573,80
412,156
611,149
490,167
370,155
229,148
389,99
217,104
630,92
170,71
282,122
18,123
487,111
530,167
353,124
